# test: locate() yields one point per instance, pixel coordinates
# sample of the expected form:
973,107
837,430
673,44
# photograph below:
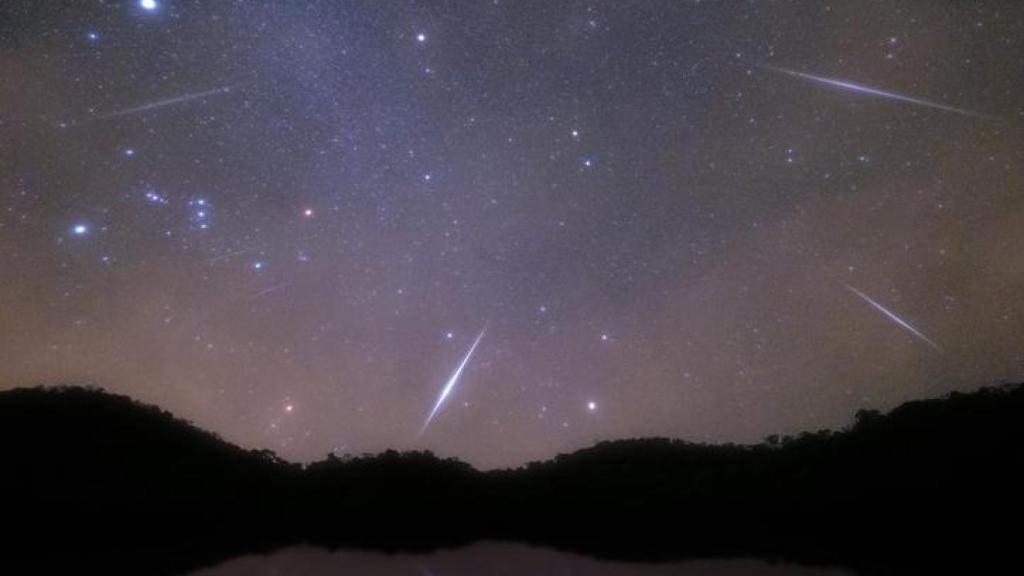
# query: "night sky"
289,222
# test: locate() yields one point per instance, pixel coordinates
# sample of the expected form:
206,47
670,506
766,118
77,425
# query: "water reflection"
487,559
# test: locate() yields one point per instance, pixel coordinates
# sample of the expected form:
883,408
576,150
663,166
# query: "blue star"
148,5
155,198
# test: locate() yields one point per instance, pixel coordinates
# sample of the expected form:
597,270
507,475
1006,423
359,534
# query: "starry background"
288,221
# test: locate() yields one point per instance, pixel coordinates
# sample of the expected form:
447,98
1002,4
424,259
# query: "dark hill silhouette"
103,480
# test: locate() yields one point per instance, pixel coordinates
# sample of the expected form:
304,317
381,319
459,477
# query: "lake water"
487,559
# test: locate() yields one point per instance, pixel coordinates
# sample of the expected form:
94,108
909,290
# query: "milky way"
658,231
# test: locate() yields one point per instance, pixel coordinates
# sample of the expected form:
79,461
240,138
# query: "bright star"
421,37
308,212
80,229
148,5
592,406
154,197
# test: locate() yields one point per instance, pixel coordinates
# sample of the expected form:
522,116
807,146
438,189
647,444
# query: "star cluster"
288,221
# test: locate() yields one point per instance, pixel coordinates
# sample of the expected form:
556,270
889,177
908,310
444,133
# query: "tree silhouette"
101,476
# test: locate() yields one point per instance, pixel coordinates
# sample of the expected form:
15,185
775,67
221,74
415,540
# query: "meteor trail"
229,255
273,288
168,102
452,381
899,321
843,85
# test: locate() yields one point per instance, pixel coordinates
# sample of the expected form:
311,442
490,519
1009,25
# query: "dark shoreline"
121,487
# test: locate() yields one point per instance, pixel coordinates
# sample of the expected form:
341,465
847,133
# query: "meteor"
230,254
167,102
899,321
273,288
452,381
843,85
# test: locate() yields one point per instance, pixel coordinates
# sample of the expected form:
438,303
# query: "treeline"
100,476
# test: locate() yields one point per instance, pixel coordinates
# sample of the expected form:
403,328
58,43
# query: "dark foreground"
96,482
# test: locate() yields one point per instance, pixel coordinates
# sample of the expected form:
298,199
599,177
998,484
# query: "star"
154,197
405,186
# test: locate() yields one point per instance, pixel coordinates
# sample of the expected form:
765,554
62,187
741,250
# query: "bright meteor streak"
843,85
167,102
452,381
899,321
